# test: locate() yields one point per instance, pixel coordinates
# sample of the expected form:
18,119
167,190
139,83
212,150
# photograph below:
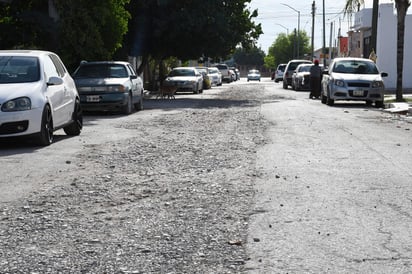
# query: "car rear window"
19,69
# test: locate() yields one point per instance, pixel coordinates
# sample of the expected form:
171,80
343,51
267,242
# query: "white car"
253,75
216,76
37,96
355,79
185,79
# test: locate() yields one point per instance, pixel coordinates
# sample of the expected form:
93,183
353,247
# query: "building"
386,43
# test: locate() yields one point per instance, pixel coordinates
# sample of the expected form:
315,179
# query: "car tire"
379,104
75,127
285,85
196,90
323,99
45,136
128,108
329,101
139,105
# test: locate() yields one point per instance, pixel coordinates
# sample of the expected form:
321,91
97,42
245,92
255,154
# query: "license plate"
358,92
93,98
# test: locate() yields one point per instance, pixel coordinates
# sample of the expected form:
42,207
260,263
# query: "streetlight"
298,22
287,30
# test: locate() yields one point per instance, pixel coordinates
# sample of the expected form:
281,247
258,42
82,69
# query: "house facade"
386,43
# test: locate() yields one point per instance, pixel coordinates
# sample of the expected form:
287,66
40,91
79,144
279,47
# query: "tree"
253,57
284,47
88,30
401,9
189,29
91,30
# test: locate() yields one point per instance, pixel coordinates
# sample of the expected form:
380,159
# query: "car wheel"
196,90
379,104
276,81
285,85
297,87
323,98
128,108
139,105
329,101
45,136
76,126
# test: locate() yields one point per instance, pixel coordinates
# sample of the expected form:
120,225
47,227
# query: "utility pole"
313,30
324,38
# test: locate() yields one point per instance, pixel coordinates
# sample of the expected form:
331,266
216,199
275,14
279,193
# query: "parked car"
185,79
236,75
207,84
289,69
351,78
226,73
279,73
108,86
301,77
253,75
215,76
37,96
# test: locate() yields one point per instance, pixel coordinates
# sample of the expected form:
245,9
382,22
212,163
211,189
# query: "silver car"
109,85
185,79
356,79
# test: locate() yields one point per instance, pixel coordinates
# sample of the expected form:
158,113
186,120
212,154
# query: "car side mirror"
55,81
133,77
325,71
384,74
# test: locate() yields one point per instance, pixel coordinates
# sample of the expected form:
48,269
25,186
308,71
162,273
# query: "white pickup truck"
226,72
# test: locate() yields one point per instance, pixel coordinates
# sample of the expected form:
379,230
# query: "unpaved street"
244,178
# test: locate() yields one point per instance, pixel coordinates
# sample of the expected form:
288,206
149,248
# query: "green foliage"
188,29
270,62
249,57
285,47
91,30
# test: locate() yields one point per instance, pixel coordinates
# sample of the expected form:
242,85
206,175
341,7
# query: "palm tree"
401,9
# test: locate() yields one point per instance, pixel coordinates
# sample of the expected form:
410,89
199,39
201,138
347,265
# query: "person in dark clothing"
315,78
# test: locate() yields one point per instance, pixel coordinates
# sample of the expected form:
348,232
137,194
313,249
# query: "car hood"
15,90
182,78
83,82
357,77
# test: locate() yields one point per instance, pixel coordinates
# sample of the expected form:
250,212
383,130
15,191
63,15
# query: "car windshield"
282,68
355,67
101,71
182,72
19,69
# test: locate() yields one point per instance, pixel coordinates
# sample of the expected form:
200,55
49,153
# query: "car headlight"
377,84
339,83
18,104
116,88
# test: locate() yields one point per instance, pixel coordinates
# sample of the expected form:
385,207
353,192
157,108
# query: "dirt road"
244,178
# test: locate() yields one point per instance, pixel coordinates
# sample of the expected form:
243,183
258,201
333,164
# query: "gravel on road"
175,198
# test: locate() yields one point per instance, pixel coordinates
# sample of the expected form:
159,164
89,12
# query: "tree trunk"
401,9
374,34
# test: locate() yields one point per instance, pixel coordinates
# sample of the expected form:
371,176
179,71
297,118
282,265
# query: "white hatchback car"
37,96
354,79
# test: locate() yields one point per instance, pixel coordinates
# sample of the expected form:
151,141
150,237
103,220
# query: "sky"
277,16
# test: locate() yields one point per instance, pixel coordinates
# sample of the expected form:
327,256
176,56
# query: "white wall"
387,43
